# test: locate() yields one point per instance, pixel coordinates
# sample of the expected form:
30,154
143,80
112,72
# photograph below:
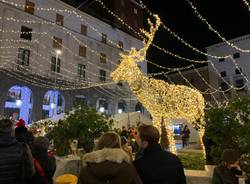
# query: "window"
81,71
59,19
102,75
120,44
26,33
223,74
29,7
83,30
221,59
224,86
103,58
55,65
104,38
122,3
238,71
57,43
82,51
236,55
23,56
239,83
135,11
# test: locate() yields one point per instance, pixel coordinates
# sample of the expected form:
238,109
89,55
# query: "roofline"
234,40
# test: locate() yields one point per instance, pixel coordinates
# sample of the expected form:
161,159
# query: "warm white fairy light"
161,99
210,27
181,39
247,4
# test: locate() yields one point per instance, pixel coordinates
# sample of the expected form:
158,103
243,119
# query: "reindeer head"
127,65
128,69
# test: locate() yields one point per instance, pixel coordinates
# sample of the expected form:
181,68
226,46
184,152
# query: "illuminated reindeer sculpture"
162,100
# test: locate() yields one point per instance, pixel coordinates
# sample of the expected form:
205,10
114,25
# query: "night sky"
229,17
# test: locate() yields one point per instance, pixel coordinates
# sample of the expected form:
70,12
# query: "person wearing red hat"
22,134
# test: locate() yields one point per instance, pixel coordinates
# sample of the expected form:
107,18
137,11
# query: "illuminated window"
59,19
29,7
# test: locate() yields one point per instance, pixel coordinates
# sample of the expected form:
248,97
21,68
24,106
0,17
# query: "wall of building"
227,65
42,50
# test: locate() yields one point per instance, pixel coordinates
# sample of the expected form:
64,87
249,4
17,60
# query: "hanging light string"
210,27
49,62
11,62
208,93
66,48
247,4
179,38
80,42
230,85
215,100
175,69
25,79
38,77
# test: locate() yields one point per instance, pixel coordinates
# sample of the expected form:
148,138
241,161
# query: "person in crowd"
16,164
124,132
157,165
185,136
208,143
22,134
228,172
45,164
108,163
126,147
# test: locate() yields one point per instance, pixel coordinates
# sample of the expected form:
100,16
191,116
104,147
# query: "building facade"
230,74
52,55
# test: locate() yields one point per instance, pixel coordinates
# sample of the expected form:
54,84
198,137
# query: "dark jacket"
223,175
16,164
159,167
108,166
48,164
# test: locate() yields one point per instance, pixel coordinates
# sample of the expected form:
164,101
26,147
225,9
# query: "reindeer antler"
141,54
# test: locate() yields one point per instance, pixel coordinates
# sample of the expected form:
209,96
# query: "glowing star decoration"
164,101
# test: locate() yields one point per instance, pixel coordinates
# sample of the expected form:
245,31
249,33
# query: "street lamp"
102,109
58,52
119,111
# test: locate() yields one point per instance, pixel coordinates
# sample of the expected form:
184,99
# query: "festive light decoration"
161,99
31,80
247,4
210,93
181,39
78,15
210,27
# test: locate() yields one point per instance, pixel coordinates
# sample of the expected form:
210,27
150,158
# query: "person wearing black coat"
47,162
16,164
157,166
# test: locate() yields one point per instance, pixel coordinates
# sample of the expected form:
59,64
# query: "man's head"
148,135
6,127
230,156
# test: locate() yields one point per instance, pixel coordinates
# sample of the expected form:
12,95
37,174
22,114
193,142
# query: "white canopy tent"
132,119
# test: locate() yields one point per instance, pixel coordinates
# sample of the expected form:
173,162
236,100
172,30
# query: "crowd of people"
127,157
24,159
